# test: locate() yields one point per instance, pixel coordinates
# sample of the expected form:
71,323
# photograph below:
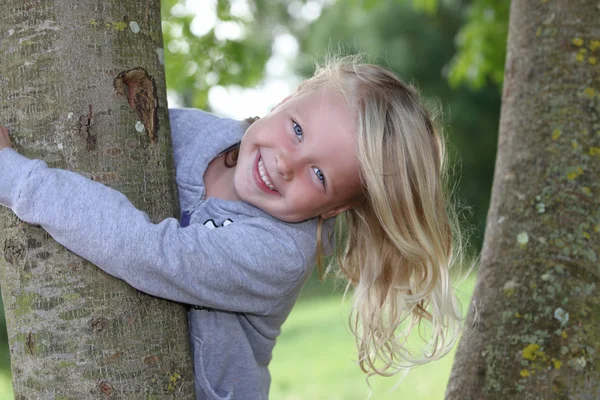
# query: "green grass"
315,358
6,390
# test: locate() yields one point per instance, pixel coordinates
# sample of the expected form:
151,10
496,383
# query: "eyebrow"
297,116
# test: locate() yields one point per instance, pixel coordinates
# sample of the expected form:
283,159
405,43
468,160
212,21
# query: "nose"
284,165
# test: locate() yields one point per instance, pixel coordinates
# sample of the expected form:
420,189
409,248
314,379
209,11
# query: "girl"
259,201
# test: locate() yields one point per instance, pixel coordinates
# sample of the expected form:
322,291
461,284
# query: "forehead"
325,104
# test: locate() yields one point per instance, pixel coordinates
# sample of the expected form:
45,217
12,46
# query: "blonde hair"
404,237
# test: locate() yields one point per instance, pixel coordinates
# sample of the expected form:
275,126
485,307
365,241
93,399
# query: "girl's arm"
242,267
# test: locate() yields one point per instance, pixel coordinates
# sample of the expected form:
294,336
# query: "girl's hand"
4,139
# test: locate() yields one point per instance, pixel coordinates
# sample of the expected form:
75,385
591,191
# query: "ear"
334,211
281,102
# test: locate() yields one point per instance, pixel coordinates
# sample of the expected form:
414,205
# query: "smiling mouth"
263,178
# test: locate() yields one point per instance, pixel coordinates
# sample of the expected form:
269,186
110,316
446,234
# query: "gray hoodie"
241,268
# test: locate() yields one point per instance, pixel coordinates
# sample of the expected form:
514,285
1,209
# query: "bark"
533,331
75,332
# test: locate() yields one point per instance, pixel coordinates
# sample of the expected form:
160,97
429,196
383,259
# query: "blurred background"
238,58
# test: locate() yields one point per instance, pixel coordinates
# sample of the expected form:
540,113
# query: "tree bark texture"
82,87
533,330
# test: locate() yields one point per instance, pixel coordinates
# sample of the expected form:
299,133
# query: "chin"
282,217
293,220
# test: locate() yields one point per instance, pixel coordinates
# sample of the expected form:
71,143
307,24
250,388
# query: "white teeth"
263,175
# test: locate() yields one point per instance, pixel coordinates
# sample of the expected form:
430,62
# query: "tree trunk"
533,331
75,332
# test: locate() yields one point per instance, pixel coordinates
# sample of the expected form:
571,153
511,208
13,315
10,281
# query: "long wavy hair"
400,243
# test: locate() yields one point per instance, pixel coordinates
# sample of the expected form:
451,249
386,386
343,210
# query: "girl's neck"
218,180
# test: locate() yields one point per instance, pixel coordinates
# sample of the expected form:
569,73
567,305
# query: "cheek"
308,197
245,142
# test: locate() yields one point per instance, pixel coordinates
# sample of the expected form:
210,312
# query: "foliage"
427,6
195,62
481,45
480,42
231,49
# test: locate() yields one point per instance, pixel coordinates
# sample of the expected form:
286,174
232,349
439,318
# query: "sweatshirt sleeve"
242,267
198,136
196,133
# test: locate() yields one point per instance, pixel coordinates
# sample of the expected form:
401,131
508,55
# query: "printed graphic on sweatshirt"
211,223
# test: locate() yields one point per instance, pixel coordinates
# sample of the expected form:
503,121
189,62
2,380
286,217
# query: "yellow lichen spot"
594,45
590,92
586,190
573,173
517,315
531,352
556,134
580,57
574,144
578,42
586,235
173,381
594,151
524,373
564,335
592,60
557,363
597,228
119,26
538,32
93,22
107,25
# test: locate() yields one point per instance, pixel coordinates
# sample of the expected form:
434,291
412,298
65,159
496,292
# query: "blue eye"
297,130
319,174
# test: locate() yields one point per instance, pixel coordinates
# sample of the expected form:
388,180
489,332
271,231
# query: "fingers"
4,138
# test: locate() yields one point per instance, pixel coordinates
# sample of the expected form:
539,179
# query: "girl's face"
300,160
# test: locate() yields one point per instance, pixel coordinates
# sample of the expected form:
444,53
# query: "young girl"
259,201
